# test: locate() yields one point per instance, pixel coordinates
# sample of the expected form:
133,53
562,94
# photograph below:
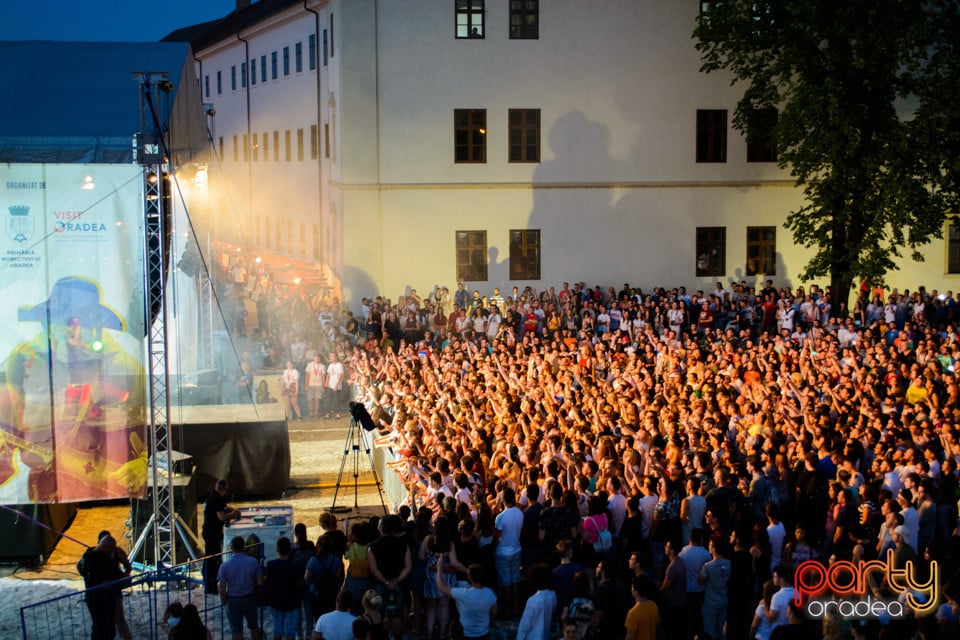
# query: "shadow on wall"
618,234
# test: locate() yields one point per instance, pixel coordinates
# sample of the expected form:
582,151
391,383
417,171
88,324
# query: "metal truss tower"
151,155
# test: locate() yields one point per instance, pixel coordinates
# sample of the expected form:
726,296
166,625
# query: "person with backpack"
324,575
581,609
98,566
357,578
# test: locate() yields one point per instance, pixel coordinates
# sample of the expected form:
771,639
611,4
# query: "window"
273,65
243,75
221,148
266,232
286,61
470,135
253,71
233,78
711,135
219,83
236,150
711,251
326,140
314,143
288,152
524,135
276,146
331,36
470,15
300,145
953,246
206,86
524,19
263,68
325,52
266,147
312,50
525,254
256,227
279,234
316,242
761,251
472,255
246,148
298,57
303,239
761,145
289,237
256,147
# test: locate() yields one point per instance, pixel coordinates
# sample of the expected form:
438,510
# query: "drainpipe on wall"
320,238
248,150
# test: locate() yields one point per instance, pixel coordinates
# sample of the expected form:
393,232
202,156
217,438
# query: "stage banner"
72,394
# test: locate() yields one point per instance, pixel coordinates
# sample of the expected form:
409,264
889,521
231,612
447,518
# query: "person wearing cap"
902,552
74,376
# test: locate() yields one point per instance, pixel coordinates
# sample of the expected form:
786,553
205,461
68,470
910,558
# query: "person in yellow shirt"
642,619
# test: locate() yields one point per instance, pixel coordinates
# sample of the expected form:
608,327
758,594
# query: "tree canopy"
867,100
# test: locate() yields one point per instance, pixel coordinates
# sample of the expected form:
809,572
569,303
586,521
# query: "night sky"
104,20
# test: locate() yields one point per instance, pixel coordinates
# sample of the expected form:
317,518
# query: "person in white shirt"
694,556
540,607
618,505
776,533
335,374
338,624
316,374
777,613
290,380
509,524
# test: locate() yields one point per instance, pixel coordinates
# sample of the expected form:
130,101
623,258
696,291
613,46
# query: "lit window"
470,135
470,15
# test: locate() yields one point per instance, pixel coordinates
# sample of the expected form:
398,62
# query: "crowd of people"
626,463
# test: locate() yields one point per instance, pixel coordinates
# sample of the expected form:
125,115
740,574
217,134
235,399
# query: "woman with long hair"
439,545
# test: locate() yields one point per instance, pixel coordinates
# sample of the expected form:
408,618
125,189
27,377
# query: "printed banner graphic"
73,382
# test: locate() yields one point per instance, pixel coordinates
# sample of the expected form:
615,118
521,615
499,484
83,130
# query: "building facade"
497,142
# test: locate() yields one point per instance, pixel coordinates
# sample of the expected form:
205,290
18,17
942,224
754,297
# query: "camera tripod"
351,450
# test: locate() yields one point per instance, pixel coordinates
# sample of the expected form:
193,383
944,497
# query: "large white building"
408,143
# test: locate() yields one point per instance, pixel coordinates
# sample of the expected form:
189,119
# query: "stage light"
96,346
152,178
88,183
359,413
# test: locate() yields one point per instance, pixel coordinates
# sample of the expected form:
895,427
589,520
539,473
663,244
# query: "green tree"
867,94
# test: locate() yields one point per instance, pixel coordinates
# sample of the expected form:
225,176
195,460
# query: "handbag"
604,541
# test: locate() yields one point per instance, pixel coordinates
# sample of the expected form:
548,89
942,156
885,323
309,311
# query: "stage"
247,444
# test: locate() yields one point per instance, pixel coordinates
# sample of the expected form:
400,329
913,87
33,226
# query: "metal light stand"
351,449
